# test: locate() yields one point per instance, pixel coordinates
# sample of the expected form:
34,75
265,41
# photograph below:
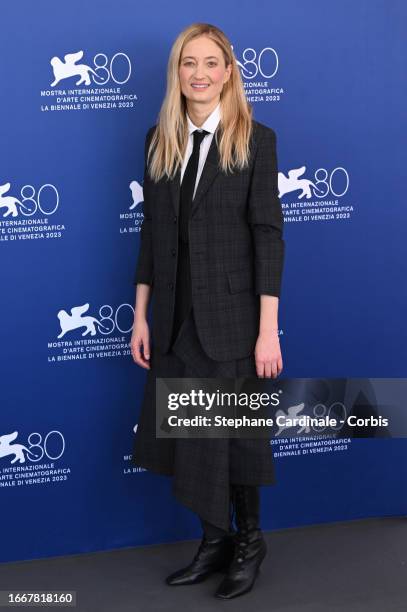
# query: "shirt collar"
210,124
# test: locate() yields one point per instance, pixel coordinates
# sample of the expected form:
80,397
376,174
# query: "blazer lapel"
174,186
209,171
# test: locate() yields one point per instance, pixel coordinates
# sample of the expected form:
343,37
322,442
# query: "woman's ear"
228,73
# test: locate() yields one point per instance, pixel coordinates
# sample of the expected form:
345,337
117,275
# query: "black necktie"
188,184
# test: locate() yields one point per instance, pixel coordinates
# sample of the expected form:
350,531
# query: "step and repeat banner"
80,88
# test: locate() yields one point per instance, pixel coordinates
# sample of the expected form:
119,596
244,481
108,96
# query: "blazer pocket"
240,280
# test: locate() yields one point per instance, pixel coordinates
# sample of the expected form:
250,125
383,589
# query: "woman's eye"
190,63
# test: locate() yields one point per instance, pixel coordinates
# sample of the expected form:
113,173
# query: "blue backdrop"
80,87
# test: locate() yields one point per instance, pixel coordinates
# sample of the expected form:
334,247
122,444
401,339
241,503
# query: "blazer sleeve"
144,267
265,217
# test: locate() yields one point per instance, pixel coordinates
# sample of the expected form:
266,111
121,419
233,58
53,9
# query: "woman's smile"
199,85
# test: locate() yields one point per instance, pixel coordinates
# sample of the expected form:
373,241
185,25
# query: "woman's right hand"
140,338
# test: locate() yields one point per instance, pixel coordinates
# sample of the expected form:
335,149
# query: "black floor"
350,566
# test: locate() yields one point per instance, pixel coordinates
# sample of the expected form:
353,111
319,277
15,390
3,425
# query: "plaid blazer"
236,248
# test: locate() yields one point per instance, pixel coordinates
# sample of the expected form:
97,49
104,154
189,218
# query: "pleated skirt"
202,470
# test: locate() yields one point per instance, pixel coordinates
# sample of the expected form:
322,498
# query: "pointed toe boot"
212,556
250,546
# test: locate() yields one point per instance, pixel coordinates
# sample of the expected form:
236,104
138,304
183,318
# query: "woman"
211,252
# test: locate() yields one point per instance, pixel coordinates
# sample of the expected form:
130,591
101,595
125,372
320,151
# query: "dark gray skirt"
202,469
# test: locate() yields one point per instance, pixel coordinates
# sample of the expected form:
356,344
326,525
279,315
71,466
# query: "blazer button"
171,286
175,219
174,252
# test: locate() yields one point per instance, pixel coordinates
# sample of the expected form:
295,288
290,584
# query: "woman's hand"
269,362
141,338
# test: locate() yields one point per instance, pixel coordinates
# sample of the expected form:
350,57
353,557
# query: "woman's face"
202,63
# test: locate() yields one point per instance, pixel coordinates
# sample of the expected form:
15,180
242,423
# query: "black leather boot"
212,556
250,546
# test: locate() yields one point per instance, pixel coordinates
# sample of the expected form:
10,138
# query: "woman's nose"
199,74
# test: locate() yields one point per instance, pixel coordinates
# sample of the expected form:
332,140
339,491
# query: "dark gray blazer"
236,248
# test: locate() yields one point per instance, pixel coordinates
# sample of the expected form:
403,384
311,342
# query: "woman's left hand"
269,362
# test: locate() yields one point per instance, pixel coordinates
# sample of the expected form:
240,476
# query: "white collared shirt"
210,125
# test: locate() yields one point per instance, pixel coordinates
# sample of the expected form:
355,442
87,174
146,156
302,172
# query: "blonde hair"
169,141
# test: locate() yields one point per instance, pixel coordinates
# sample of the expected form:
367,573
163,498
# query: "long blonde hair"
169,141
